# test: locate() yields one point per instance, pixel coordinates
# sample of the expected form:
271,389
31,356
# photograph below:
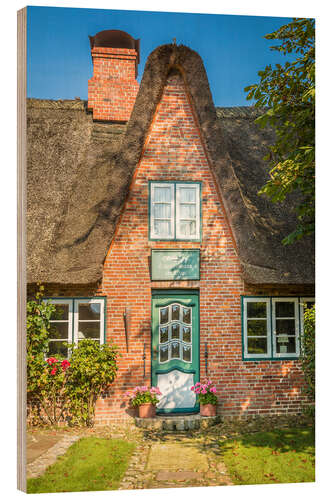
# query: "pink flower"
192,388
144,388
54,370
212,389
203,391
197,390
50,361
65,364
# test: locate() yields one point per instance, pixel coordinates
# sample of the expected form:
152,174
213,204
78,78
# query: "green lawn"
280,456
90,464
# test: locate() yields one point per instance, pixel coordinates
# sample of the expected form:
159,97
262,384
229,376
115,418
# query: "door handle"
155,352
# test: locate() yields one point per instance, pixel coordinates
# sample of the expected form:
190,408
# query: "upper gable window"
174,211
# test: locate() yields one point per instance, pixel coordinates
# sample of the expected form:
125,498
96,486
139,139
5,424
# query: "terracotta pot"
147,410
208,410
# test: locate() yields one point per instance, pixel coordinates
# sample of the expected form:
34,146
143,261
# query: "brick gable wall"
174,152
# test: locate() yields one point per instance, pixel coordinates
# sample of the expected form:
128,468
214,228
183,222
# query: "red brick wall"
174,151
112,89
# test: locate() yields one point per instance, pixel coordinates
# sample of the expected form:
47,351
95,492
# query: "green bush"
308,351
93,368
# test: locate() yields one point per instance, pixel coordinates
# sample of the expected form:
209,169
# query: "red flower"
65,364
50,361
54,370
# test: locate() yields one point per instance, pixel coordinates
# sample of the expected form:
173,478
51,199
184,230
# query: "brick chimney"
113,88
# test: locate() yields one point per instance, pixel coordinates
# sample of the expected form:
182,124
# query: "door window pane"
164,334
187,353
175,331
187,315
175,350
164,315
164,353
175,312
186,334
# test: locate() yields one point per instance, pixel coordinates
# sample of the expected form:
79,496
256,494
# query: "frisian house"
145,227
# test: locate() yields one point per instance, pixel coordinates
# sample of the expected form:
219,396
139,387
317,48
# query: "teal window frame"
174,216
271,354
74,318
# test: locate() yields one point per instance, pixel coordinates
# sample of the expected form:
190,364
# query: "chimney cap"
116,39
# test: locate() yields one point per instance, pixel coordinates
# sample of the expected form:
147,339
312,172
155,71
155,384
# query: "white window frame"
175,211
246,354
296,316
179,235
153,235
68,302
73,316
76,317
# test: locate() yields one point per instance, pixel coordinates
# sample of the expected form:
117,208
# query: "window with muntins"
272,326
174,211
75,320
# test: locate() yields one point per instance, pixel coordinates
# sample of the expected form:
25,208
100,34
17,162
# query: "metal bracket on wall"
206,358
125,316
144,359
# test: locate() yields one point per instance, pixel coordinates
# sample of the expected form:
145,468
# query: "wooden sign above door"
171,265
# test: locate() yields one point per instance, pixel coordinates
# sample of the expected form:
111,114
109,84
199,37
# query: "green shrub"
308,351
93,368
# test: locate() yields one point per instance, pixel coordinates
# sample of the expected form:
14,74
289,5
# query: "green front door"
175,349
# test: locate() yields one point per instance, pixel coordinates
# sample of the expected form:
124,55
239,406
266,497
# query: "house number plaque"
175,265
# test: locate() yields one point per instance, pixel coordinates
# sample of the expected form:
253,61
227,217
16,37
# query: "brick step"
177,423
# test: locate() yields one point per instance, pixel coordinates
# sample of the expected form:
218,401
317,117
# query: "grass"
279,456
90,464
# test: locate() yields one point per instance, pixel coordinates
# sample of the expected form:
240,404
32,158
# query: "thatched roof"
79,173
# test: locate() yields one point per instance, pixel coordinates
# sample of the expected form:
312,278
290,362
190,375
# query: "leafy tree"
289,93
93,368
308,351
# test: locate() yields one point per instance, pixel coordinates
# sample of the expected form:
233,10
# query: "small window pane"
175,312
61,312
256,309
162,210
89,311
162,194
162,228
164,315
285,326
175,350
187,194
187,315
186,334
57,349
256,346
175,331
164,334
59,330
89,330
284,309
187,228
285,345
186,353
256,327
164,353
187,211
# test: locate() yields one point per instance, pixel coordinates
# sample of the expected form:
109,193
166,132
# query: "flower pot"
208,410
147,410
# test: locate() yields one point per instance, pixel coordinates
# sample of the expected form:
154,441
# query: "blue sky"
232,47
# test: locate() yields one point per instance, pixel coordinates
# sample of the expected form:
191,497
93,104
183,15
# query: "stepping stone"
178,476
175,457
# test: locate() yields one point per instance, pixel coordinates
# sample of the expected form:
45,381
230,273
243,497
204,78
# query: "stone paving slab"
39,466
174,456
177,476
